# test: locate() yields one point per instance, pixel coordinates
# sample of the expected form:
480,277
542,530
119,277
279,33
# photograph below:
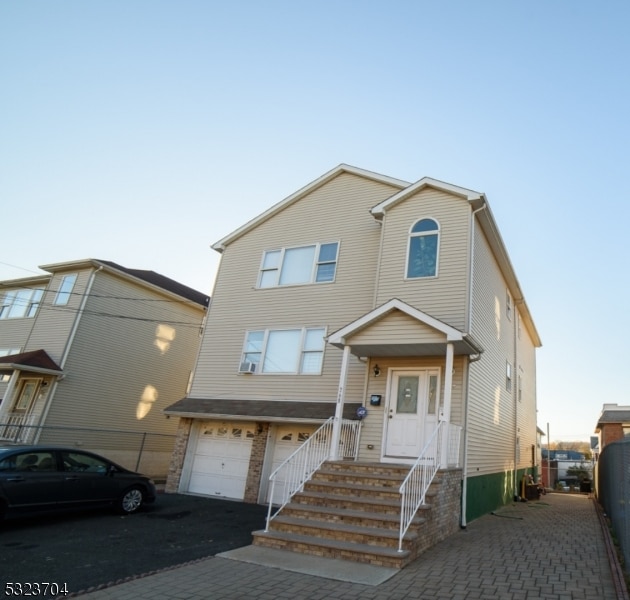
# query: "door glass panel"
407,401
27,394
431,406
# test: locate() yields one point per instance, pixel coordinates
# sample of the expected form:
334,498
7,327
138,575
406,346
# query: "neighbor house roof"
147,277
36,361
620,415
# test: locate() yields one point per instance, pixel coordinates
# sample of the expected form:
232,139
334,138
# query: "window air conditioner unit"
247,367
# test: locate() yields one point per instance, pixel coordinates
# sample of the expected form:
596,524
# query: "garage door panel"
221,459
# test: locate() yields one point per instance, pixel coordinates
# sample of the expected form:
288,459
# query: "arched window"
423,249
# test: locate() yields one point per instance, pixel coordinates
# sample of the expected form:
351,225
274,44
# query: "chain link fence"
613,490
142,451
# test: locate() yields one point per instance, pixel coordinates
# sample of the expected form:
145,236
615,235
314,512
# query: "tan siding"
123,368
54,323
398,328
493,410
337,211
443,297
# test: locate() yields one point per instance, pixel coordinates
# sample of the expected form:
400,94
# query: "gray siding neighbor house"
368,305
90,354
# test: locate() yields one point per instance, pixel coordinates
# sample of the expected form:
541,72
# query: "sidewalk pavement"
557,548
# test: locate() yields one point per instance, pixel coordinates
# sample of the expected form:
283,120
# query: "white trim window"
20,303
423,250
9,351
316,263
285,351
65,289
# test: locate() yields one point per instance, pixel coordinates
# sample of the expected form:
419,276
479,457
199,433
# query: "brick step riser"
349,490
379,469
349,504
359,479
327,534
360,521
332,553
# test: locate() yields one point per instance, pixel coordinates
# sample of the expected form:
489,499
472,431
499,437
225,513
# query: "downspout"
466,365
66,351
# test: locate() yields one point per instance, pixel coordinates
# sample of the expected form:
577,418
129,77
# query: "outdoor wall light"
376,370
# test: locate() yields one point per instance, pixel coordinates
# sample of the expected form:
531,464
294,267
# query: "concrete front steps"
348,510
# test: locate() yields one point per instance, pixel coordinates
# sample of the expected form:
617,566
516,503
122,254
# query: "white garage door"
287,440
221,459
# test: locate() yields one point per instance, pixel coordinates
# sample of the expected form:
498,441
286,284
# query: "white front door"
412,412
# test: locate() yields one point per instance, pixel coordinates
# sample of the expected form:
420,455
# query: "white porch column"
446,409
341,392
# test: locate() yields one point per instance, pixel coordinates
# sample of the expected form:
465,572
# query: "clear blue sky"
143,131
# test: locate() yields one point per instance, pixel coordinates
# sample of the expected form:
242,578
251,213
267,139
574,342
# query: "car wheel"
131,500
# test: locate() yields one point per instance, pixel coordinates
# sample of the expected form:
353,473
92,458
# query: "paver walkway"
553,549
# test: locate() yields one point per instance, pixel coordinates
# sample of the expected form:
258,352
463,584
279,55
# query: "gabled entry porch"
30,377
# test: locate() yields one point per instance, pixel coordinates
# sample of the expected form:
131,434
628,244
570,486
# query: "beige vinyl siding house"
119,346
414,299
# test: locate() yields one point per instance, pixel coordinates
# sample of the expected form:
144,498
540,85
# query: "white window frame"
314,267
9,351
21,303
436,232
508,375
303,351
508,305
65,289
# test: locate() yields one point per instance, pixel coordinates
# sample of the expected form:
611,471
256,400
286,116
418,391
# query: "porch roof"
259,410
36,361
398,329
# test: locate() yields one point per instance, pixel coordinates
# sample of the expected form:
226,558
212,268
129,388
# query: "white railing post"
341,392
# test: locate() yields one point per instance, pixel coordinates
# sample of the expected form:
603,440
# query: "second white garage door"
287,440
221,459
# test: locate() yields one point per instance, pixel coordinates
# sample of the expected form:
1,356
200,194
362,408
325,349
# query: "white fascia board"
25,281
29,369
470,195
339,337
325,178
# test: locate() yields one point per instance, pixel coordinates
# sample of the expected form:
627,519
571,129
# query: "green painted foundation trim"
486,493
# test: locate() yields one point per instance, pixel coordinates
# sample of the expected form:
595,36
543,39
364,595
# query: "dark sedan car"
44,479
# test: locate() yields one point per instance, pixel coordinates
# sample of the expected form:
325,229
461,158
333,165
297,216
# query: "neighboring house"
363,292
613,424
91,353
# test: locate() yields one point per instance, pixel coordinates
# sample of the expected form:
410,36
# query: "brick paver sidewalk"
553,549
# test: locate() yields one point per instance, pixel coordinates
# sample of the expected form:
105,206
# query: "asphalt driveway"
89,549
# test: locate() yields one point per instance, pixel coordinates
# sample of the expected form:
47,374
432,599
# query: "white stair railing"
289,478
442,449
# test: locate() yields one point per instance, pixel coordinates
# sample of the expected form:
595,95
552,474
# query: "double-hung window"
422,257
20,303
65,289
316,263
285,351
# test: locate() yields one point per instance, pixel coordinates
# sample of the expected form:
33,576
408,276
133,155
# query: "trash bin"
585,486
